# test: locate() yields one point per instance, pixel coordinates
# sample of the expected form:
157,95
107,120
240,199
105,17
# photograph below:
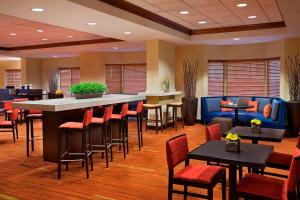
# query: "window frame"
16,85
71,69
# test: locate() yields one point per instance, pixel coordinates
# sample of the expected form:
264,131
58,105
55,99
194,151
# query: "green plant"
88,87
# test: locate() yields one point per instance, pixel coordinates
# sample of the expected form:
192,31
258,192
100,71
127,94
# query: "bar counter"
58,111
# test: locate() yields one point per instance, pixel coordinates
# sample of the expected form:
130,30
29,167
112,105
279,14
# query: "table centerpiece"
232,142
87,90
255,126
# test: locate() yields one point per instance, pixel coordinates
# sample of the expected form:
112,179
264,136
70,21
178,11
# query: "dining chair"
10,124
201,176
255,186
213,132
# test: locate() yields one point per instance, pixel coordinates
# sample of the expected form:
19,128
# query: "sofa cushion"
262,102
275,109
233,99
226,103
255,106
213,104
267,110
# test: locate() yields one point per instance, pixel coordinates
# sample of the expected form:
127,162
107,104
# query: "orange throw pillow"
226,109
267,110
255,106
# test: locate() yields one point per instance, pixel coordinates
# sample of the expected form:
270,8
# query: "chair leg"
120,133
58,155
141,127
175,111
138,130
210,194
240,172
90,149
111,151
182,118
85,154
105,144
167,117
17,131
224,186
146,124
170,190
32,136
126,132
156,120
185,192
67,149
161,120
27,137
123,138
13,131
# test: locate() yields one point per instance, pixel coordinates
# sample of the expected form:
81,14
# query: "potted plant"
232,142
88,90
166,84
255,126
293,106
190,101
53,85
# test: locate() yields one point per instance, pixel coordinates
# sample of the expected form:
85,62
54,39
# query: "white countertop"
160,94
55,105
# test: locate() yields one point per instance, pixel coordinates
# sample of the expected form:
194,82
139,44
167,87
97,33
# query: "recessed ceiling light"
91,23
115,48
70,36
127,33
44,39
236,38
202,22
13,34
241,5
39,30
37,9
184,12
252,17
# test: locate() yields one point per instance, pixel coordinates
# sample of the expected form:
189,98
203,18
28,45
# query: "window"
68,77
126,78
13,78
259,77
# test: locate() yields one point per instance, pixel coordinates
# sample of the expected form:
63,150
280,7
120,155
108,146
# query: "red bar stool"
104,122
30,117
138,114
87,148
123,129
11,124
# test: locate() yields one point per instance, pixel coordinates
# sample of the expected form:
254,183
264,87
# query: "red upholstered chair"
11,125
104,122
256,186
83,128
30,116
7,109
22,112
123,129
279,160
138,114
201,176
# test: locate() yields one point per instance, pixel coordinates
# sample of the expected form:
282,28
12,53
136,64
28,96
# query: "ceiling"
69,17
216,13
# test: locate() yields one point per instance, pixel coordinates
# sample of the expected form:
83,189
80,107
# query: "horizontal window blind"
273,81
134,80
13,78
113,77
215,78
245,78
68,77
259,77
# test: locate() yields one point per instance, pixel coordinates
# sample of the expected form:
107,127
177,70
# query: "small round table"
236,108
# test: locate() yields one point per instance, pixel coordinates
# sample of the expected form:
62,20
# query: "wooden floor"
143,175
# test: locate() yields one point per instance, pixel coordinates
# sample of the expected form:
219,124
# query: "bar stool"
104,122
22,112
86,148
174,118
138,114
123,129
156,107
30,117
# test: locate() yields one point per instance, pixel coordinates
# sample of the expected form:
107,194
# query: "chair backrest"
124,109
14,115
294,174
213,132
88,115
139,107
108,113
8,105
177,149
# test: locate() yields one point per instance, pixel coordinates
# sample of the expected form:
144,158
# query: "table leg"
232,181
254,141
236,117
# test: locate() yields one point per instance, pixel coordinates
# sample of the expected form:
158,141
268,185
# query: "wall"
31,72
4,65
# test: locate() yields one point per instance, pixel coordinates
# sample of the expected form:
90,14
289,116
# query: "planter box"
88,95
293,117
255,128
232,145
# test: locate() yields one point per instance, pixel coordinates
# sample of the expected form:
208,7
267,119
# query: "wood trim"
239,28
62,44
62,68
3,49
12,70
134,64
245,60
129,7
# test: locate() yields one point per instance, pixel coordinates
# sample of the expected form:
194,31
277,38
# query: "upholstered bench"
225,123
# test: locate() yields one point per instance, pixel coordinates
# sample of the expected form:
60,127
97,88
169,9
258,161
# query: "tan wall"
4,65
31,72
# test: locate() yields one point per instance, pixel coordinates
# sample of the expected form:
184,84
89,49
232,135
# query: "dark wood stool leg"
123,137
161,119
156,120
224,186
110,134
27,137
146,126
126,132
67,149
138,129
167,116
58,155
120,133
173,116
85,153
105,144
31,134
175,111
210,194
185,190
182,117
17,131
90,149
141,127
13,131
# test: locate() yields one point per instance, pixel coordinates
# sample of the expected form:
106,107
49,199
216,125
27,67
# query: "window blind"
13,78
134,80
246,78
215,78
113,77
273,81
68,77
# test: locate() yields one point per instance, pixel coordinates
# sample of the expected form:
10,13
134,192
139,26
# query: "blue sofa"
210,108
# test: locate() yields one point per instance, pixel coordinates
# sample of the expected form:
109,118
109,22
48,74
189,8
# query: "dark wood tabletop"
250,155
267,134
236,106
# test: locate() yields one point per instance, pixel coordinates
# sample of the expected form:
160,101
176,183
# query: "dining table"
266,134
250,155
236,108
